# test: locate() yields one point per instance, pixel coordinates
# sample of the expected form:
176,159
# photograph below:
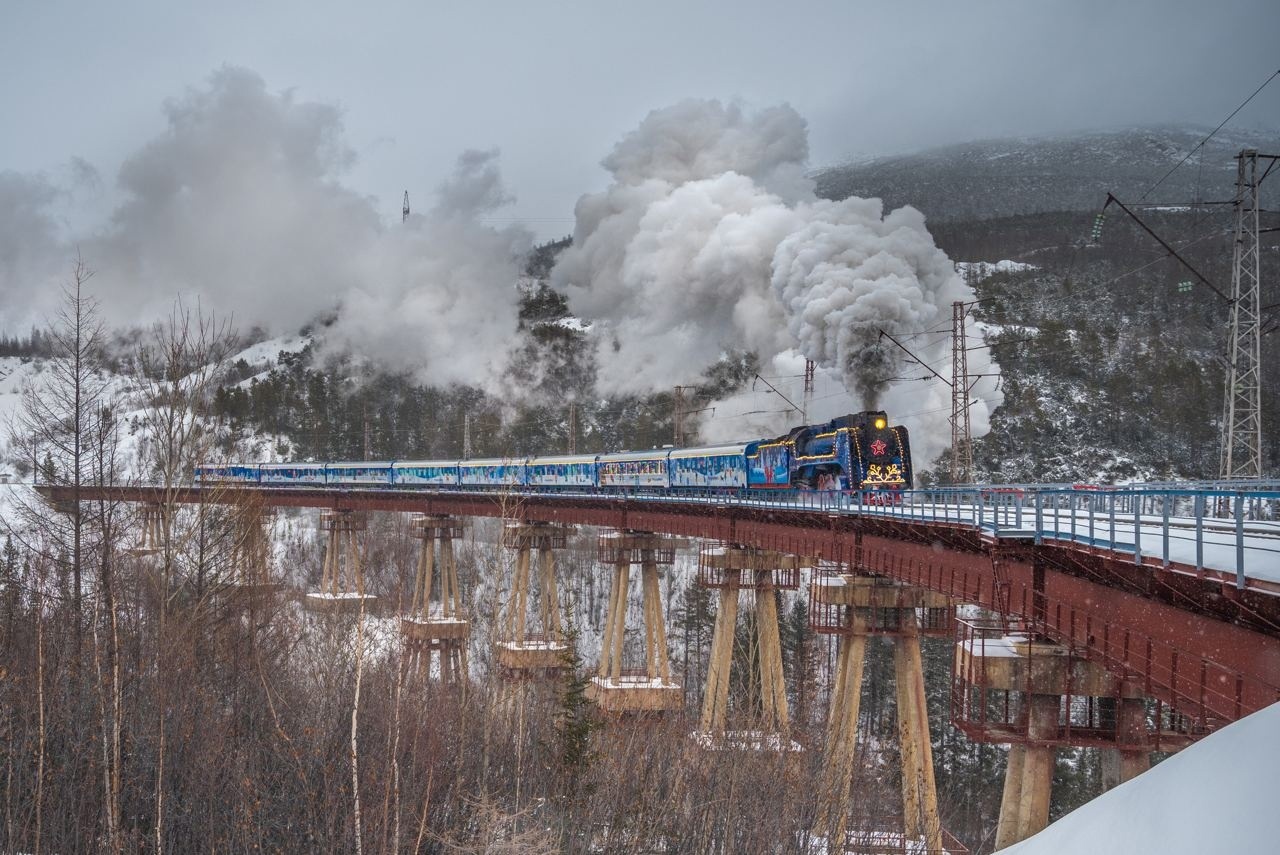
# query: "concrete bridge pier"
853,607
150,531
1132,754
1028,783
250,584
437,624
649,689
522,650
342,576
732,569
1012,686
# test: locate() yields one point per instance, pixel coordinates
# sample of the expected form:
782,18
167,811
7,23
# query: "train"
860,452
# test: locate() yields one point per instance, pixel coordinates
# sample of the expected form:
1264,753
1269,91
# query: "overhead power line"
1200,144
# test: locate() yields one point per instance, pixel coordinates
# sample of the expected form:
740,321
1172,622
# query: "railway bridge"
1133,618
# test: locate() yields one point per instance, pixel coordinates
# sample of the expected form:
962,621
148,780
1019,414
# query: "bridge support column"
842,735
919,790
764,572
150,532
1028,779
1011,797
250,584
1037,765
648,689
341,577
522,652
1131,756
1012,686
855,606
437,623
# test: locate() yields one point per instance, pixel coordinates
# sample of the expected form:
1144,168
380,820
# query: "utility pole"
809,369
678,416
466,436
368,444
961,433
573,427
404,213
1242,405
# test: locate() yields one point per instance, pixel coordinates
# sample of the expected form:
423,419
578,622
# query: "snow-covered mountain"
1001,177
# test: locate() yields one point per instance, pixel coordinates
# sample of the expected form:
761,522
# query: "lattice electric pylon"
1242,405
810,369
961,433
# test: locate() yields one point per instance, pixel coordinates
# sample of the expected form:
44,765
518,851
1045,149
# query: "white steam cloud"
239,202
710,240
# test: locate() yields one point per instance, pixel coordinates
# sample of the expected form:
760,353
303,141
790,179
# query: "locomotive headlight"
880,423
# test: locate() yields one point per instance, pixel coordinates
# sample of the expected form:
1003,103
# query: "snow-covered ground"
1167,809
264,356
266,352
983,269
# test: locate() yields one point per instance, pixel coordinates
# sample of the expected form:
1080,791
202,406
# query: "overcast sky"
555,84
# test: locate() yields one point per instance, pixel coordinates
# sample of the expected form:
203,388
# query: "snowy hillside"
18,373
1002,177
1216,796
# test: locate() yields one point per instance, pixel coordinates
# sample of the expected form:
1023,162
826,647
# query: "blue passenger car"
719,466
358,473
635,469
425,473
212,473
491,473
305,474
578,471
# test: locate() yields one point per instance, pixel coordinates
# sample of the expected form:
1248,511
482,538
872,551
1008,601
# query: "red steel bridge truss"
1194,640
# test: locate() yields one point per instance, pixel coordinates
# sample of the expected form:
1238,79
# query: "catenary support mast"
1242,404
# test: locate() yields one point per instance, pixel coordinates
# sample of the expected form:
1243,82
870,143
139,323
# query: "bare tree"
177,367
53,427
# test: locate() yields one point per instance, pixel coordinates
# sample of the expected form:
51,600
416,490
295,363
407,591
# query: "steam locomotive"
857,452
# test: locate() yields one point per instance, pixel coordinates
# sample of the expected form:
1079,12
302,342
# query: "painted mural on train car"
638,472
716,468
293,473
491,473
560,473
439,474
228,472
372,473
768,465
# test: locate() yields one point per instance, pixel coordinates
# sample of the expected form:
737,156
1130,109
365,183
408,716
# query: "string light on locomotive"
890,474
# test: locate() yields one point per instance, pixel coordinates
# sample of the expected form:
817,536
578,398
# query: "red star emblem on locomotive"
878,448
